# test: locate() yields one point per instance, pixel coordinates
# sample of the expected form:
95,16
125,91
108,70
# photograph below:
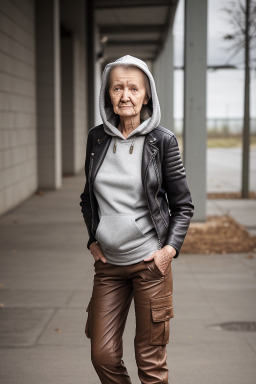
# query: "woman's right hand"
97,252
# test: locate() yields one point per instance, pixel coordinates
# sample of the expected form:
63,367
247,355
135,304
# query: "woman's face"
127,91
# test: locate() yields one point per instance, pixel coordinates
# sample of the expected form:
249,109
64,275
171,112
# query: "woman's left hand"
163,257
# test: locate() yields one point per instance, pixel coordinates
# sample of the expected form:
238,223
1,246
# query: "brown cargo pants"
113,290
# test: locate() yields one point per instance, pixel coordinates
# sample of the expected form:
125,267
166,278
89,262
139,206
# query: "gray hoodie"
126,232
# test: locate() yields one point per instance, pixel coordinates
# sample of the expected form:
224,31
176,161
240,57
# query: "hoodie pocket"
118,233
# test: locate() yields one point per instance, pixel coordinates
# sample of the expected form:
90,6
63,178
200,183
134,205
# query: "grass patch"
228,142
223,142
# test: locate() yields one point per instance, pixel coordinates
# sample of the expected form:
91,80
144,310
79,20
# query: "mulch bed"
219,234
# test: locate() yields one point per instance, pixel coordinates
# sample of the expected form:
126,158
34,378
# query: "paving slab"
242,210
224,169
46,277
21,327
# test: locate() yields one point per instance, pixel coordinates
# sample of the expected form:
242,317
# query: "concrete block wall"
18,154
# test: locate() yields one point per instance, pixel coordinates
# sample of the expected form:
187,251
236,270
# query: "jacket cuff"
90,241
177,251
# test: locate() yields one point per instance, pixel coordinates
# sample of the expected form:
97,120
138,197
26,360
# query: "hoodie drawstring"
131,147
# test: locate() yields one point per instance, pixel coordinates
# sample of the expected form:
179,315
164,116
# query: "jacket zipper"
159,240
156,199
91,163
90,172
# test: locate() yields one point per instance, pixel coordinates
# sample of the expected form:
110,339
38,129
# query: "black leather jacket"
164,182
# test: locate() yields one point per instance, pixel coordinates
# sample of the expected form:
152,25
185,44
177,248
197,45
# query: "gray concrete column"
90,32
163,74
97,78
73,83
67,104
195,67
48,93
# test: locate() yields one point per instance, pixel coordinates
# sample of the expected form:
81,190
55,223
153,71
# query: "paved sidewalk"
224,169
224,175
46,274
243,211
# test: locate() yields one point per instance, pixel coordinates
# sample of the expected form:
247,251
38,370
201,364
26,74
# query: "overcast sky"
224,87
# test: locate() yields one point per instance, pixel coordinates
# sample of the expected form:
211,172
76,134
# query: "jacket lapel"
99,151
149,151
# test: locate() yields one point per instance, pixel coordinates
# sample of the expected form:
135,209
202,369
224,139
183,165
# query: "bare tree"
242,18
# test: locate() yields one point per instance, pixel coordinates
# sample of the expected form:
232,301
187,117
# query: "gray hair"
130,66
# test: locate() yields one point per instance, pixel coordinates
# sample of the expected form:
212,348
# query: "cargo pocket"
88,321
161,312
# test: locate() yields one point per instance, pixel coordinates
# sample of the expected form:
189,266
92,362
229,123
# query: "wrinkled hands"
97,253
163,257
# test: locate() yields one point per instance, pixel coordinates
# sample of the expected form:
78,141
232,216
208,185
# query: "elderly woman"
137,208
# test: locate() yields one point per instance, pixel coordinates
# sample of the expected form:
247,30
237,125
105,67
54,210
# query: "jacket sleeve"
178,194
85,202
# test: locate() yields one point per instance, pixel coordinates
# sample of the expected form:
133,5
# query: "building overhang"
134,27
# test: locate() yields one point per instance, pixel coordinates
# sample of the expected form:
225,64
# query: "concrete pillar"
73,84
163,74
73,103
90,15
48,94
97,79
67,104
195,67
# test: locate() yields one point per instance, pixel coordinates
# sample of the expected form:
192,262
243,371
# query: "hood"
150,114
